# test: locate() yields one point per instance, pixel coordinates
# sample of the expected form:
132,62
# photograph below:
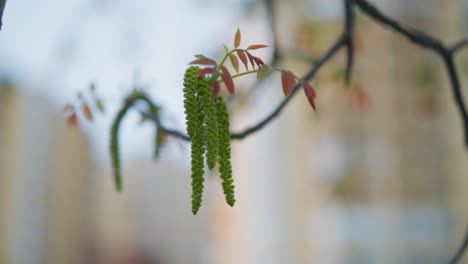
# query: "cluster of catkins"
207,121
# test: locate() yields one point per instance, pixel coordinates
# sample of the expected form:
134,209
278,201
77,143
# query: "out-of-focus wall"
44,167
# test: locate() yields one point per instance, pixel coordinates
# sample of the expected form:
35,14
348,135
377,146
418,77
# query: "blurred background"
377,175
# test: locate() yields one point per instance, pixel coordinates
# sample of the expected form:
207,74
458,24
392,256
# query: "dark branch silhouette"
2,7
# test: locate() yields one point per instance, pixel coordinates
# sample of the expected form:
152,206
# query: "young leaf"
201,56
251,59
100,105
71,120
226,49
287,81
205,71
263,72
310,93
234,62
87,112
258,61
237,39
227,79
243,58
203,61
214,89
256,46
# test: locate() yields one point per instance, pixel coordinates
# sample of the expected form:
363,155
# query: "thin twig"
2,7
349,33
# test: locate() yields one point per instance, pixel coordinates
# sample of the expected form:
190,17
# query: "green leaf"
264,72
226,49
234,62
100,105
237,39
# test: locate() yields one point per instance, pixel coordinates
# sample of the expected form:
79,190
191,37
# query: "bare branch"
459,45
414,35
2,7
349,33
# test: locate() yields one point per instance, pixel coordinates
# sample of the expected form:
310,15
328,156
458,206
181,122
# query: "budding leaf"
243,58
100,105
287,81
71,120
214,89
258,61
87,112
256,46
264,71
227,79
234,62
237,39
310,93
205,71
203,61
251,59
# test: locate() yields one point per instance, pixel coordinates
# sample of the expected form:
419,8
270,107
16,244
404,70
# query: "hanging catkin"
224,151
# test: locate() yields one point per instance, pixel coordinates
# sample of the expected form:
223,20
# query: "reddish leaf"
243,58
201,56
360,98
251,59
234,62
310,93
71,120
215,89
287,81
204,61
256,46
237,39
258,61
87,112
205,71
227,79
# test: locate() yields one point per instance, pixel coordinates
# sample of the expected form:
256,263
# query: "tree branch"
2,7
459,45
349,33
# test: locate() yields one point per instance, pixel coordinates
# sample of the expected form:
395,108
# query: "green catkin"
114,146
195,128
114,136
211,123
190,98
224,151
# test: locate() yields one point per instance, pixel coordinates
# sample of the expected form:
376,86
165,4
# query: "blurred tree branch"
2,7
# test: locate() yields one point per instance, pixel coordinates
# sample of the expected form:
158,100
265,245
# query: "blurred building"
44,168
